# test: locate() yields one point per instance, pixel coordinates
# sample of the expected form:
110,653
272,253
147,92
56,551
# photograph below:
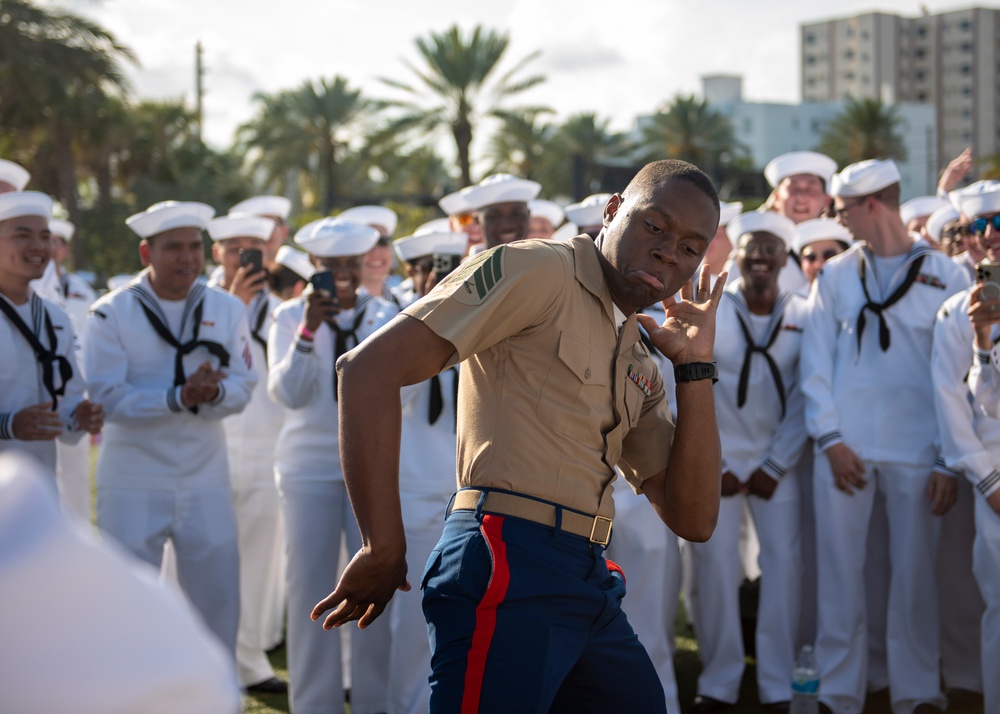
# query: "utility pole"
199,89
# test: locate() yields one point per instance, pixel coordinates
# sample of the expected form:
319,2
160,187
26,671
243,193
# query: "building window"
920,53
921,96
848,54
810,38
920,75
965,25
966,47
966,69
810,60
921,31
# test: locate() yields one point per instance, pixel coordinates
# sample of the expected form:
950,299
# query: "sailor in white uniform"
251,437
124,644
75,297
546,216
378,263
309,333
290,274
276,208
41,387
800,180
965,340
170,357
866,378
426,475
13,177
915,213
760,409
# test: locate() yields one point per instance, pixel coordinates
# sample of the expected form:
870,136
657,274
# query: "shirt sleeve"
106,367
819,348
950,363
496,294
293,366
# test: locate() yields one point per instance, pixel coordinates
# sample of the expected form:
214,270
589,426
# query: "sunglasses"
466,219
979,225
956,232
825,255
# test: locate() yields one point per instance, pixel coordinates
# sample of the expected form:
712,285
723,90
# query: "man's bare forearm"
693,476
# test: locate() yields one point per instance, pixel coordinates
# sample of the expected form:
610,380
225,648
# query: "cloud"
579,58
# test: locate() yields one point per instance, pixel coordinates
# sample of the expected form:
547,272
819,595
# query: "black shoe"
776,707
707,705
269,686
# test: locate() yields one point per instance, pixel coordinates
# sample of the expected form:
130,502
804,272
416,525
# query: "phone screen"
252,257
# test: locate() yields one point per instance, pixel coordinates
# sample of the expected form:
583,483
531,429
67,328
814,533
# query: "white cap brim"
864,178
817,229
264,206
767,222
25,203
372,216
335,237
168,215
799,162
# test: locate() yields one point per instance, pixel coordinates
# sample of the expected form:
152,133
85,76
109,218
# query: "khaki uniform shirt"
552,396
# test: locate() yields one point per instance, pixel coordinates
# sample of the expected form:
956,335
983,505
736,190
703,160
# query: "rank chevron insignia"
479,276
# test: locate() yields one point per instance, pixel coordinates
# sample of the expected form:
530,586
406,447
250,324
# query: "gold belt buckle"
594,538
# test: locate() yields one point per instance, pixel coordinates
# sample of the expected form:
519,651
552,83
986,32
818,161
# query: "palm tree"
584,143
689,129
865,129
520,143
305,131
456,74
56,68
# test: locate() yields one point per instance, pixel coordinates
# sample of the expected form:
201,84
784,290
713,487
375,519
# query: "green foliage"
456,88
865,129
689,129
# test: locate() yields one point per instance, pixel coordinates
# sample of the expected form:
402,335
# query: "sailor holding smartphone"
251,438
308,335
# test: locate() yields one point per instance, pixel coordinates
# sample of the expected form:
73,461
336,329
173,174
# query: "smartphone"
444,264
253,257
323,280
989,275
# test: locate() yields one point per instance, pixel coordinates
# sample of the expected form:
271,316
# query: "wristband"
305,333
694,371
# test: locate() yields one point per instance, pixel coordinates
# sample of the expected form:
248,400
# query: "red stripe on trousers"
486,614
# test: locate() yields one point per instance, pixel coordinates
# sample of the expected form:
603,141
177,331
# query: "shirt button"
587,374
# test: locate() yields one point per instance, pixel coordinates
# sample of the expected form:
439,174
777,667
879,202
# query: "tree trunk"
462,131
68,189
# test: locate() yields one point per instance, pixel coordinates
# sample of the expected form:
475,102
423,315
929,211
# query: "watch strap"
695,371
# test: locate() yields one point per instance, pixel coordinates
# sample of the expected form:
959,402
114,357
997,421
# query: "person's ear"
144,253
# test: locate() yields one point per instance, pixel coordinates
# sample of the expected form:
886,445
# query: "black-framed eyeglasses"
845,208
956,232
979,225
383,241
825,255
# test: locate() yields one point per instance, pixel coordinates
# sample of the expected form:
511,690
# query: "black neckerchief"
341,336
774,329
47,358
436,404
193,307
878,308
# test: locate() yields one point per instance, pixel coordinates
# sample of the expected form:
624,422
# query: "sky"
618,58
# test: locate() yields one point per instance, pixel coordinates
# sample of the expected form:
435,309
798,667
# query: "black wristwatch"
693,371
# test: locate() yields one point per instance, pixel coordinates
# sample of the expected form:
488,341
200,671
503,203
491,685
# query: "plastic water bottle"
805,683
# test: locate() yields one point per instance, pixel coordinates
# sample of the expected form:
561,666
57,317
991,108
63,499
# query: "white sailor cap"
61,228
14,174
817,229
456,203
728,211
334,237
241,225
295,260
167,215
768,222
430,239
499,188
25,203
278,206
799,162
956,196
864,178
589,211
920,206
372,216
567,231
438,225
120,280
941,217
552,212
982,202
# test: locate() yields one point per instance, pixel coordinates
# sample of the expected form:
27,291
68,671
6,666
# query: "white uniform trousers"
261,544
719,573
410,659
647,551
961,605
73,477
842,523
316,515
986,565
202,528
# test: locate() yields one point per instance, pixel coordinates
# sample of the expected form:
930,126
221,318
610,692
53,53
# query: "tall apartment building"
950,60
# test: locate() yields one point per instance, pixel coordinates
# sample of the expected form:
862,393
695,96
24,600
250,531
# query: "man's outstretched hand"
364,590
